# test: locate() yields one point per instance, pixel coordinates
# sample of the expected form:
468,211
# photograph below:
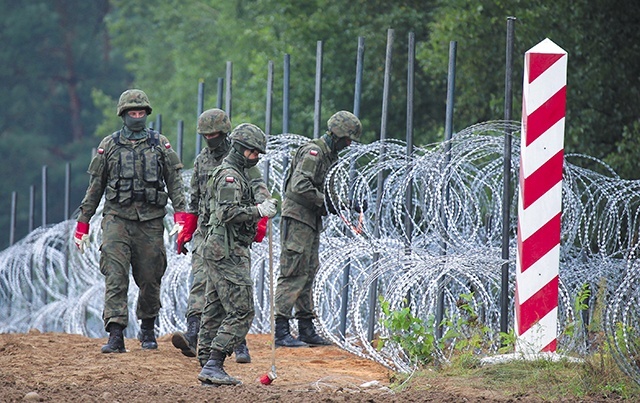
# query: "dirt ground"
57,367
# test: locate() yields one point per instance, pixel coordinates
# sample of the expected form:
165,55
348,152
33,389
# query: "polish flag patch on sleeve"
167,145
229,179
313,152
100,151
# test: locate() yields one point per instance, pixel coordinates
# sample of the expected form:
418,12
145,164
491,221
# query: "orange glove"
261,230
185,225
81,237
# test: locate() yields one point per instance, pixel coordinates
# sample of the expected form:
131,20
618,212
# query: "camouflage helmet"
133,99
249,136
213,120
345,124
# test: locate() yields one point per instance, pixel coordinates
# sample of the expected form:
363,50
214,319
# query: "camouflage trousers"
299,264
135,244
195,303
228,307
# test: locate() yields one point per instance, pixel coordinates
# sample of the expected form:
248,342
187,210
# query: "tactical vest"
135,172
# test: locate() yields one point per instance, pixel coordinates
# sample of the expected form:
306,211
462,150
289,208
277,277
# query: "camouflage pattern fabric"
345,124
228,311
133,99
213,120
138,244
250,136
303,196
302,211
204,165
136,177
195,301
157,179
298,267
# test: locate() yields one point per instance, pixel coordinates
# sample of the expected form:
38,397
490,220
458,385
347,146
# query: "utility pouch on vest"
127,173
156,197
163,198
151,195
150,160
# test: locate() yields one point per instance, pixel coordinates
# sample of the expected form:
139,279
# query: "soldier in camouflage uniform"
303,207
213,125
137,171
229,309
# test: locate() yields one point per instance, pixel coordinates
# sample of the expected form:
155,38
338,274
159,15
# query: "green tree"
169,60
603,69
53,54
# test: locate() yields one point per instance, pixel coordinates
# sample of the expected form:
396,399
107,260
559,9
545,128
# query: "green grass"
596,378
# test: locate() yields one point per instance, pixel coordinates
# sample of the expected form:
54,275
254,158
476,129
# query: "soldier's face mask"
251,157
342,143
214,139
135,119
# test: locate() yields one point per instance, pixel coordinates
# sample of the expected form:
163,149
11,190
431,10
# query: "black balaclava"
221,149
213,143
134,127
236,154
335,143
341,143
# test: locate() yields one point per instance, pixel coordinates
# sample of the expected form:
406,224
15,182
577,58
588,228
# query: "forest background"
64,63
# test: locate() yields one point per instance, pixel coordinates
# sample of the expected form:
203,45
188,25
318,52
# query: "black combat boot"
188,342
242,353
308,333
283,336
147,334
116,340
214,374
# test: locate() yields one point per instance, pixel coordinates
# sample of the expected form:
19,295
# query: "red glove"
186,224
261,230
81,237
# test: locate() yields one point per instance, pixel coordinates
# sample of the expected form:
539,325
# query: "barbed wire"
443,244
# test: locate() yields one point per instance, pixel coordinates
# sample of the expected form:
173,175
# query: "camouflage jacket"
303,195
136,177
203,166
232,212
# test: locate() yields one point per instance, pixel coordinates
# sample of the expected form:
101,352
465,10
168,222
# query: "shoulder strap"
116,137
154,138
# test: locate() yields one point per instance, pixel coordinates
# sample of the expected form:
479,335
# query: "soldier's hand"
186,224
81,236
268,208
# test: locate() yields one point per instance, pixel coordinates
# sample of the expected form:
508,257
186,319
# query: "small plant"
466,336
411,333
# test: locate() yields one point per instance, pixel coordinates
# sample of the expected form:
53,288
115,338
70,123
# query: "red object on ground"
267,379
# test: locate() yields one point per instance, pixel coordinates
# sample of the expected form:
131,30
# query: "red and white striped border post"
540,197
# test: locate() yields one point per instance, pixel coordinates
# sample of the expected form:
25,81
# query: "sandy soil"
58,367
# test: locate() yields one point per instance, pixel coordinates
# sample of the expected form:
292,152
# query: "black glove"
359,206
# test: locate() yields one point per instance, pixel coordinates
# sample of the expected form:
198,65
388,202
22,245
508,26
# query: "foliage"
598,376
411,333
465,335
53,54
603,83
64,63
169,67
